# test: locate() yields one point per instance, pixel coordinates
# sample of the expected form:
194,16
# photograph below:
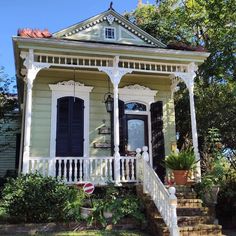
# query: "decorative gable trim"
111,16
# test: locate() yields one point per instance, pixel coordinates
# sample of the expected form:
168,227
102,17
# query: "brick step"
203,230
183,220
190,195
189,202
192,211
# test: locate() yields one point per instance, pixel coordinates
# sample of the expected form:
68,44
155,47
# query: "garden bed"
72,228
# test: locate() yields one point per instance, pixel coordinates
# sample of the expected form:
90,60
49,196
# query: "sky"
53,15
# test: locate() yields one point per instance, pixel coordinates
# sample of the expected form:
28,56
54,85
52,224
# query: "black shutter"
70,127
158,146
121,106
122,124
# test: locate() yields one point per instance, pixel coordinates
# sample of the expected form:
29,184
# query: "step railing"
165,200
99,170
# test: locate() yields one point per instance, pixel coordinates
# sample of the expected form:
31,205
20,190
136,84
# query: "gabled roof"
90,30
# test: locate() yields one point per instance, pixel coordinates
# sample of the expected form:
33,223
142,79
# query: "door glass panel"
136,138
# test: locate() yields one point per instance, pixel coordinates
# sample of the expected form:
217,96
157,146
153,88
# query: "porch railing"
165,201
72,170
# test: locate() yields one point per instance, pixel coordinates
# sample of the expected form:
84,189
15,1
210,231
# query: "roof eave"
76,46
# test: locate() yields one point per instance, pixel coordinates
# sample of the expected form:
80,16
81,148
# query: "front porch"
120,167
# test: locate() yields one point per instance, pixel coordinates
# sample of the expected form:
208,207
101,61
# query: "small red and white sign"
88,188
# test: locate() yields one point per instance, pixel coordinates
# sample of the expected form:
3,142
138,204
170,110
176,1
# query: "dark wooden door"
70,127
158,145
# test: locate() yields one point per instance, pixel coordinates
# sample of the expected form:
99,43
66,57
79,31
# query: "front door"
133,127
136,133
70,127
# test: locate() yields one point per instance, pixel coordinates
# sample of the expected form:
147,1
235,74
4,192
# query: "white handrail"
166,202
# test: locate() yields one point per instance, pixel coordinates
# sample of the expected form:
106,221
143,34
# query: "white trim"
144,95
104,33
63,89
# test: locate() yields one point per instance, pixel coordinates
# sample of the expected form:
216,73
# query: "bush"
34,198
120,202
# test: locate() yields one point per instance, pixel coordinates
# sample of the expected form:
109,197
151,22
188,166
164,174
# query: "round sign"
88,188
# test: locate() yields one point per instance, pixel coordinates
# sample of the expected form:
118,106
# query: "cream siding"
96,33
41,113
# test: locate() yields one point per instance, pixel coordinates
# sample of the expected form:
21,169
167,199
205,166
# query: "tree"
8,104
199,23
8,100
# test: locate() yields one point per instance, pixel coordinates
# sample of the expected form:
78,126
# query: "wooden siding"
96,33
9,128
41,113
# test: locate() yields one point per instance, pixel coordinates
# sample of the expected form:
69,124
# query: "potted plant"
181,163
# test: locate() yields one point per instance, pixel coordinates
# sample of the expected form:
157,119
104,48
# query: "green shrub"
34,198
120,202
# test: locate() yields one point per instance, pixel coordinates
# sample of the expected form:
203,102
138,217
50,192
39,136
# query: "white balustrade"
72,170
128,169
166,202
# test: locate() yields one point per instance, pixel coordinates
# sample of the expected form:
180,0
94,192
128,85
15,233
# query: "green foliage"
33,198
214,165
200,23
7,101
120,203
184,160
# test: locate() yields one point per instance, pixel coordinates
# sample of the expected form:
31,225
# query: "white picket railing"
99,170
165,201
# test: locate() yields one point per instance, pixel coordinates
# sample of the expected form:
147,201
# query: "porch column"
188,79
30,74
115,74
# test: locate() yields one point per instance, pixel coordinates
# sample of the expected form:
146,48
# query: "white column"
28,110
194,130
115,74
188,79
31,71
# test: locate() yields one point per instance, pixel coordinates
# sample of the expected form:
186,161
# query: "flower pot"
211,195
181,176
107,214
86,212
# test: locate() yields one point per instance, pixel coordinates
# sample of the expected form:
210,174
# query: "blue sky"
47,14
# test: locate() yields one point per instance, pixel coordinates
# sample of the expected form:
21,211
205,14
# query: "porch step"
183,202
192,211
193,219
185,220
203,230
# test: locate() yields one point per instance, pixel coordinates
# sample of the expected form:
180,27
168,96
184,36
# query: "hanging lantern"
108,100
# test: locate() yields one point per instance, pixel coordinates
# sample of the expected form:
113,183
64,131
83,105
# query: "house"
92,93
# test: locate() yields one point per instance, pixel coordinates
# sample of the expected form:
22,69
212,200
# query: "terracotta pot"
181,176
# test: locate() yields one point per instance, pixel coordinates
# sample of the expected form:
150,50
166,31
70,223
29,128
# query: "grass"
90,233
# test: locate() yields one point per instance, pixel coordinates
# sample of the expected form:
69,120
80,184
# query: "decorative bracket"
32,68
115,73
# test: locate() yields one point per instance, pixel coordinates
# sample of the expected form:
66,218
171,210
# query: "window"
135,106
109,33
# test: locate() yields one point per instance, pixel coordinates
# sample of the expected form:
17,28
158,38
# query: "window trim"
62,90
104,33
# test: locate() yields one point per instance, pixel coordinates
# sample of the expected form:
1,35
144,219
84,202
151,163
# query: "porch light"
108,100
